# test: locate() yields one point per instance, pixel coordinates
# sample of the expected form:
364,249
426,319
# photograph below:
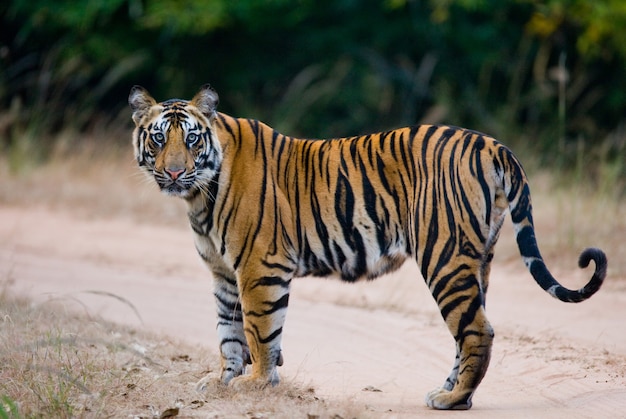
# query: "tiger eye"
192,138
158,138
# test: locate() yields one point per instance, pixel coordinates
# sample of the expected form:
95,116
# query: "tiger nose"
174,172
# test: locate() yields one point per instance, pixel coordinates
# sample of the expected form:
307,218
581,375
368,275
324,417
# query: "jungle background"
544,76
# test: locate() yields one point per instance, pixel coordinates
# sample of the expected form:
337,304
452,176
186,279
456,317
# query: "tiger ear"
206,101
140,102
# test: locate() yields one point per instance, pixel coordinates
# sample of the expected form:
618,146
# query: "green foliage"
190,17
8,408
545,72
601,24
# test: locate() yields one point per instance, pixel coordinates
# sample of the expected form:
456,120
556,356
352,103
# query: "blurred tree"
546,71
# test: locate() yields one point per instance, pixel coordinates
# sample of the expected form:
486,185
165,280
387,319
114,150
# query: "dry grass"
93,181
54,363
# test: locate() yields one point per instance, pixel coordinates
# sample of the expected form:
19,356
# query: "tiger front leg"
462,308
264,306
234,351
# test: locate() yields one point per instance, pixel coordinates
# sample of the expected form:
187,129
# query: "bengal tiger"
266,208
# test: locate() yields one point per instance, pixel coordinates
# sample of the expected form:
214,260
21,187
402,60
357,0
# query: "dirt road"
550,359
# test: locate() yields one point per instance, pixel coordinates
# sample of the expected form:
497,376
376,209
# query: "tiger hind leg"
461,303
451,380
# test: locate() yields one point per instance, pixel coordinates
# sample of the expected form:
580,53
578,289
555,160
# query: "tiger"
265,208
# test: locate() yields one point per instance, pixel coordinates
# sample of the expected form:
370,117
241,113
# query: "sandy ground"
550,359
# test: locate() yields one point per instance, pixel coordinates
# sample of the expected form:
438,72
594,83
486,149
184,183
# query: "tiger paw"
443,399
209,381
248,383
222,378
252,382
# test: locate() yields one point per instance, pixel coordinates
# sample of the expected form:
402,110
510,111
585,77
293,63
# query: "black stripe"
460,285
229,306
276,265
370,197
232,340
523,207
320,227
269,281
448,308
442,283
279,304
253,329
527,243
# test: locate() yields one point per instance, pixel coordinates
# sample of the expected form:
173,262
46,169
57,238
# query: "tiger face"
175,142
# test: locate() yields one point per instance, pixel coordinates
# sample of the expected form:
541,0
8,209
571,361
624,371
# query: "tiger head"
175,141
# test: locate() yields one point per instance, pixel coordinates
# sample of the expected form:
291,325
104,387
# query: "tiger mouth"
175,188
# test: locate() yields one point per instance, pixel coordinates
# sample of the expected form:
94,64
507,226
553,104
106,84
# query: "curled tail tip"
595,254
558,291
601,262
